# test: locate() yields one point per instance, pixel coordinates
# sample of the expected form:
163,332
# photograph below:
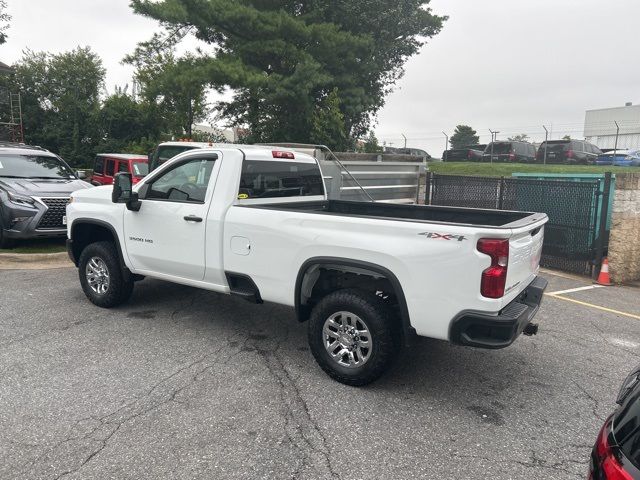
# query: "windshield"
34,166
140,169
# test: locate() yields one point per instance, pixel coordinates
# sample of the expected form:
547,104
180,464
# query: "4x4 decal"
444,236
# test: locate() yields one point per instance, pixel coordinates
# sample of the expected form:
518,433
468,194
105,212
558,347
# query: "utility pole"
615,147
546,139
494,136
405,140
446,147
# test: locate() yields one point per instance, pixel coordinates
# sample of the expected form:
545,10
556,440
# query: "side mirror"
123,193
81,174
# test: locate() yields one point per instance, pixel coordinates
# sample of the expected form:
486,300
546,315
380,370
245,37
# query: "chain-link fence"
572,241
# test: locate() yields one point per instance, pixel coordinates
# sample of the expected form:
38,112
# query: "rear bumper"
477,329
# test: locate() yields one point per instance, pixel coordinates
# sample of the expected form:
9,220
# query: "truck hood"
102,192
41,188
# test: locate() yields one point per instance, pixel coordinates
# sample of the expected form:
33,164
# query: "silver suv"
35,186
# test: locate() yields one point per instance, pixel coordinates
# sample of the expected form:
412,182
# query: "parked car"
568,152
463,154
35,186
106,165
259,225
616,454
509,151
476,152
613,157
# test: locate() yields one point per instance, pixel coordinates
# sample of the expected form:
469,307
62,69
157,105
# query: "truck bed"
413,213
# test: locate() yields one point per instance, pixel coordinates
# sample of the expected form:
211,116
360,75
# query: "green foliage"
327,124
523,137
566,137
60,101
5,18
463,136
177,86
371,144
284,59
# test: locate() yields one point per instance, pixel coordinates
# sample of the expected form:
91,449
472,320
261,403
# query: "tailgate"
525,249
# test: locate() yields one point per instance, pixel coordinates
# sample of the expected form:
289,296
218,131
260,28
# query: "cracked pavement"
182,383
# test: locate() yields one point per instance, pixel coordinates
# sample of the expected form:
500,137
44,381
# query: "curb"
34,260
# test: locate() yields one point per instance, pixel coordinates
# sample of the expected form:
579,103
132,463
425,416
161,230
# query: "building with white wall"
600,126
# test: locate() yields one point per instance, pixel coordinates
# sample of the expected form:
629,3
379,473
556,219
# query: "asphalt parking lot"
183,383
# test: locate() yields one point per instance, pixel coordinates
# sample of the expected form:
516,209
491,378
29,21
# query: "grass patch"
506,169
48,245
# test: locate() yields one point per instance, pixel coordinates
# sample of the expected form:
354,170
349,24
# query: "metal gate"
575,237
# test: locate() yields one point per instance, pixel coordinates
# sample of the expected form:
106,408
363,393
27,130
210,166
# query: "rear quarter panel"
437,265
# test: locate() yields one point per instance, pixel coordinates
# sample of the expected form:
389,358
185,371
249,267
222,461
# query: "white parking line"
571,290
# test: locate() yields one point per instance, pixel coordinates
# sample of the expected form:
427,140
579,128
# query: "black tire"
121,282
382,327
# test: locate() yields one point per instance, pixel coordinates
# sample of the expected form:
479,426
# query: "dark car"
35,186
509,151
106,165
568,152
476,152
463,154
616,454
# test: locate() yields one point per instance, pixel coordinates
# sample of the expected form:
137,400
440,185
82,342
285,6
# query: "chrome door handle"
193,218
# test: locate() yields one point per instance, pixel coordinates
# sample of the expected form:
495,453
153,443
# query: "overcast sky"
501,64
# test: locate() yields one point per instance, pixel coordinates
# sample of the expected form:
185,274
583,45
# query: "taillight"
494,278
607,463
281,154
569,153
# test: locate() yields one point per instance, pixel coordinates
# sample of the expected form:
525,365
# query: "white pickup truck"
254,221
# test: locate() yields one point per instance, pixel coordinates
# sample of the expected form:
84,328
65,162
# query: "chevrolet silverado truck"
255,222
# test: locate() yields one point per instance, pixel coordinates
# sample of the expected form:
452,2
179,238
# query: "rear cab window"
275,179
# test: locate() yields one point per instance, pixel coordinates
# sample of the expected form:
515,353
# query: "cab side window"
98,168
186,182
110,167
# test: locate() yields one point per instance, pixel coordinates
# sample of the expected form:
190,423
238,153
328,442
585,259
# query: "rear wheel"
102,278
351,335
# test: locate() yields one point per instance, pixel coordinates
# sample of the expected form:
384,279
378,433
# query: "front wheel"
351,335
102,278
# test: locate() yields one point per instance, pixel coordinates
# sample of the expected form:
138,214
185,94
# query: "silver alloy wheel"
347,339
97,275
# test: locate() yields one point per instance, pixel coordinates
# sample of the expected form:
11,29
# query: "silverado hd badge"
444,236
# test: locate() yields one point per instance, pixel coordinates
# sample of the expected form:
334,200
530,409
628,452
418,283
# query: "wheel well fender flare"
302,314
75,249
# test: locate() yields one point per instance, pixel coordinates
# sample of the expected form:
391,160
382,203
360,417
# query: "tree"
5,18
283,59
177,85
523,137
126,124
463,136
371,144
566,137
327,127
61,101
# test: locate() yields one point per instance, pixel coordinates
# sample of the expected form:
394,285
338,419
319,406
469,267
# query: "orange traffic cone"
603,278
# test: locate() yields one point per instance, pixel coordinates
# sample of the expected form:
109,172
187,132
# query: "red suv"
108,164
